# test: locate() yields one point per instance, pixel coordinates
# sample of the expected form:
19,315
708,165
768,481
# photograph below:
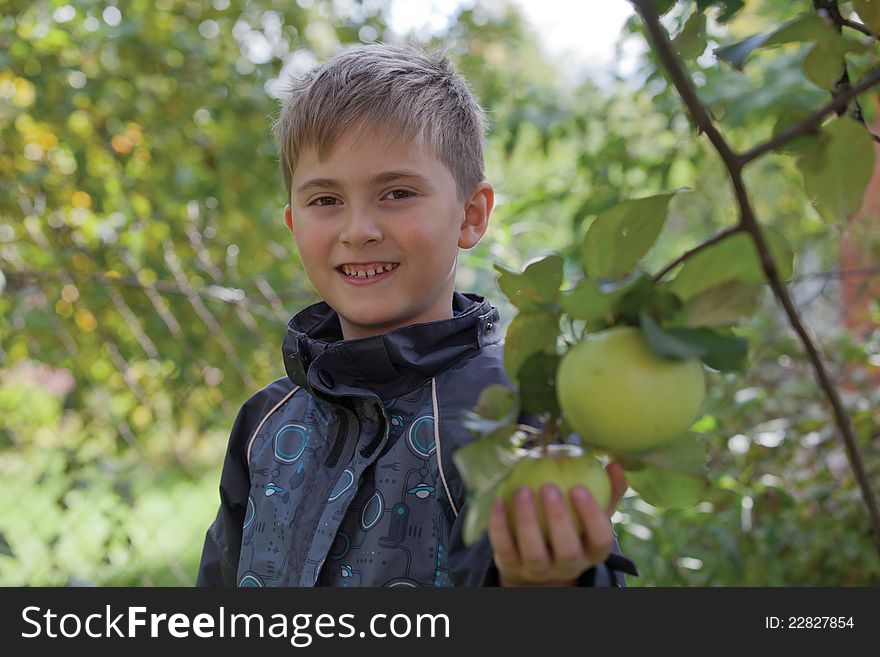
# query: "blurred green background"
147,276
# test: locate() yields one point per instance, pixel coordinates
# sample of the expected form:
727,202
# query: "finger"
565,544
533,553
618,485
598,539
503,543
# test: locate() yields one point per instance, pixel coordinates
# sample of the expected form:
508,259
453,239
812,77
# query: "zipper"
341,437
380,435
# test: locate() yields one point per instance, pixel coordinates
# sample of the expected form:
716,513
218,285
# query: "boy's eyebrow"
378,179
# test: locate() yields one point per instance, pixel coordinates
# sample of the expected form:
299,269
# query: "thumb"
618,485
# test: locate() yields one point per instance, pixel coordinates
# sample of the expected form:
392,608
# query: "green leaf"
586,302
537,383
545,274
477,512
629,292
4,546
663,6
527,334
808,27
721,351
536,287
734,258
691,41
722,305
663,304
727,8
868,103
685,455
823,68
630,298
483,465
836,175
497,402
789,118
812,152
666,488
621,235
667,344
869,12
497,406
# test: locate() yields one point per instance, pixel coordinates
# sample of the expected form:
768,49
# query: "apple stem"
550,435
571,328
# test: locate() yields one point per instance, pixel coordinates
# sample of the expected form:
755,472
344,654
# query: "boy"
340,473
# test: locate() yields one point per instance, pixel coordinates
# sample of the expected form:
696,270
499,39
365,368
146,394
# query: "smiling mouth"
368,271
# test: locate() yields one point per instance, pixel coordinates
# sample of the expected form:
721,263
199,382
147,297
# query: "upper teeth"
369,270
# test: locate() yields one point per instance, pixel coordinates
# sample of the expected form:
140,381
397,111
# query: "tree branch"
858,26
832,11
231,296
811,123
686,89
863,272
727,232
665,51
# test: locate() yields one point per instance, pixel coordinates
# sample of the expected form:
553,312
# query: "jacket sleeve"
475,565
222,548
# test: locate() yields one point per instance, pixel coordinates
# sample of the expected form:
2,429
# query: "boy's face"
348,211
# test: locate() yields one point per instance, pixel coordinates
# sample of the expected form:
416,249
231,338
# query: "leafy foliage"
727,271
619,237
836,167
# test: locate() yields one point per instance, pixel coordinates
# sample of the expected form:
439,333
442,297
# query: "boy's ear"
288,218
476,215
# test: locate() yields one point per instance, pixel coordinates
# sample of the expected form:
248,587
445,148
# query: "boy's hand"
527,559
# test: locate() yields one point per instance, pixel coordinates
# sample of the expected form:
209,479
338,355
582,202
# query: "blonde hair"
401,91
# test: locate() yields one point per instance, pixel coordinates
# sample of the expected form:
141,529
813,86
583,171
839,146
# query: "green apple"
565,466
618,395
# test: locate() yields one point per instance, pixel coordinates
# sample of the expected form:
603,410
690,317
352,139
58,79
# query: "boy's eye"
324,201
403,191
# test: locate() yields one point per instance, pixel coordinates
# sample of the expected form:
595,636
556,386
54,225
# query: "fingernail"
498,507
580,493
524,494
551,493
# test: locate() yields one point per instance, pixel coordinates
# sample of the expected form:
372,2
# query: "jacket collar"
389,365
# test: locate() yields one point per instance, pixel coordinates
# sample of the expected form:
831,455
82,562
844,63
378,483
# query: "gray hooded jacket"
340,474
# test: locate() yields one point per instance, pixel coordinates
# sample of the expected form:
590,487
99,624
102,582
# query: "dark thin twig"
838,104
863,272
683,83
811,123
830,9
858,26
234,296
727,232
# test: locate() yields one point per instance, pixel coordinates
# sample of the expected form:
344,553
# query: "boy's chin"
369,323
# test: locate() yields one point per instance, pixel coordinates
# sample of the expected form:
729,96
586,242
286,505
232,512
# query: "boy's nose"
361,228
